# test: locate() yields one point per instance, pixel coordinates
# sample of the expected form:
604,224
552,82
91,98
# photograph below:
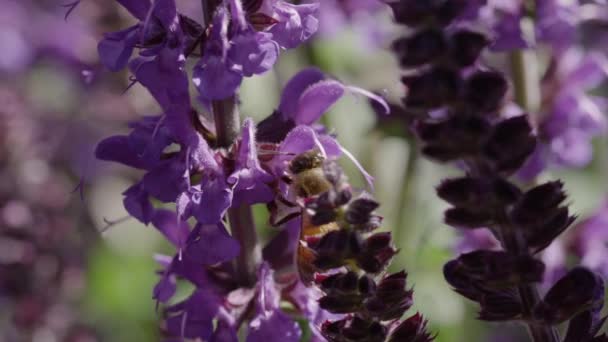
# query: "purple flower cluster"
200,176
456,103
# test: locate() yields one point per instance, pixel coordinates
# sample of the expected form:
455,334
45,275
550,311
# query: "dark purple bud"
499,269
332,250
467,218
460,280
366,285
456,138
500,306
421,48
540,214
432,89
449,10
538,201
332,331
412,329
469,192
510,144
577,291
352,329
466,46
361,329
391,298
584,326
485,90
376,253
412,12
541,236
340,304
495,305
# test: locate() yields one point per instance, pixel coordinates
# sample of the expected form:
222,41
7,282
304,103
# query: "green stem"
404,203
526,79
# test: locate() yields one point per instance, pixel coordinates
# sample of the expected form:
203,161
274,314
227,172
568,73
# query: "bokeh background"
73,267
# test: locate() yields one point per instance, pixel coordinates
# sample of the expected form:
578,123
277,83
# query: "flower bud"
484,90
510,144
412,329
577,291
421,48
433,89
466,46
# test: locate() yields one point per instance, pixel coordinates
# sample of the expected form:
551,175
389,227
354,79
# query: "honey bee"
308,179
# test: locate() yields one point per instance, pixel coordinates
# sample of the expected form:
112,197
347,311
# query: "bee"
307,179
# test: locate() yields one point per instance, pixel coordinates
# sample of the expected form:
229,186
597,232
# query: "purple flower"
238,51
295,23
590,240
269,322
570,117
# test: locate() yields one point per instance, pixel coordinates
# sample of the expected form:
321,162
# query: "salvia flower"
456,105
569,117
327,263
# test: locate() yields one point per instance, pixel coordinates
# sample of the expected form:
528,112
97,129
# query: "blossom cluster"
326,265
456,104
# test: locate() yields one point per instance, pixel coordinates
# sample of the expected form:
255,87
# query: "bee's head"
306,161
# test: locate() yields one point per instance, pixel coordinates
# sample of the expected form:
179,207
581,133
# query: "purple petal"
294,89
166,181
254,51
138,8
174,229
275,326
297,23
508,34
137,203
536,163
270,323
316,100
250,178
572,149
165,288
165,79
224,333
216,78
116,49
208,201
117,149
194,316
212,245
166,12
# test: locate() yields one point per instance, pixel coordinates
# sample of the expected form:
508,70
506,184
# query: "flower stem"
242,226
528,293
526,82
406,194
525,74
